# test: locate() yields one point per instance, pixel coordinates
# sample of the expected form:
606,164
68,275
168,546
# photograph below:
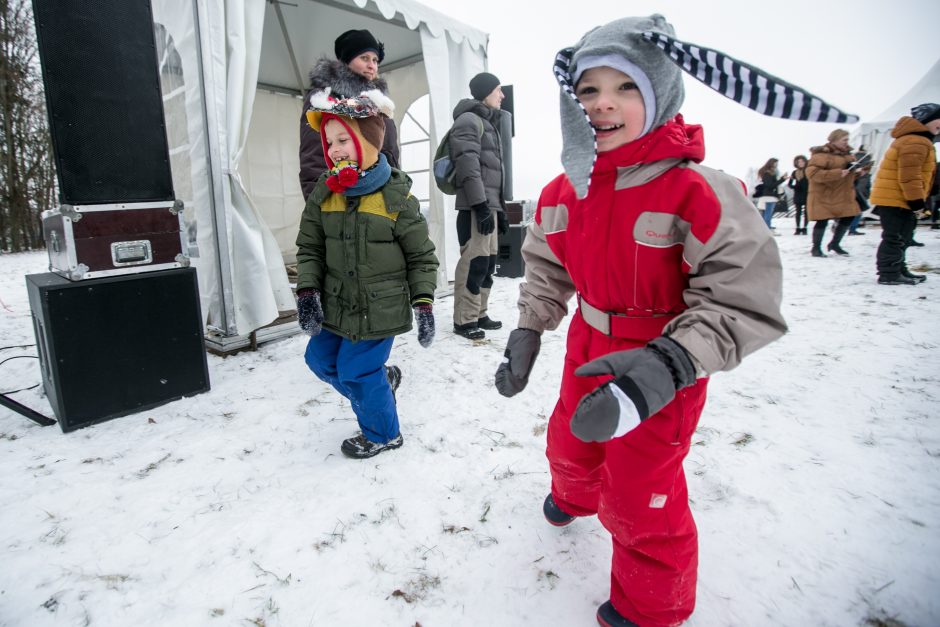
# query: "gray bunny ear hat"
645,48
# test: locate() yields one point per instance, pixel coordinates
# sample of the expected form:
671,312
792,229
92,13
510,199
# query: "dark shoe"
798,231
818,253
489,324
360,447
609,617
855,233
393,374
896,279
920,278
553,513
837,249
471,331
915,243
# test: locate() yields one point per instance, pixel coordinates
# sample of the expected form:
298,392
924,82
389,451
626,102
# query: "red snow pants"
635,484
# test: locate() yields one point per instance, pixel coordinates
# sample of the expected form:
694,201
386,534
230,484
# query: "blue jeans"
854,226
769,211
357,371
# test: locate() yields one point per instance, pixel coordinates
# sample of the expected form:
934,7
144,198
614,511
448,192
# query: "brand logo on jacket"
660,229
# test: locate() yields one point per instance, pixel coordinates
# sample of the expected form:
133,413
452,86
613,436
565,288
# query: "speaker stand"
35,416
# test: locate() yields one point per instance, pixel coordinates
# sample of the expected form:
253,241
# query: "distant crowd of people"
835,184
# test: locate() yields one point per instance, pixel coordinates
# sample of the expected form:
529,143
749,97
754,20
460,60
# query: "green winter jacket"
369,257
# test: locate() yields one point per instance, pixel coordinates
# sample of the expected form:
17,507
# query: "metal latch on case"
131,253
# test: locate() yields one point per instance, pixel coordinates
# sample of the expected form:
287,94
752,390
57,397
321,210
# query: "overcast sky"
859,56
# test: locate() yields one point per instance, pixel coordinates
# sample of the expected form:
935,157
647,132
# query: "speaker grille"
103,97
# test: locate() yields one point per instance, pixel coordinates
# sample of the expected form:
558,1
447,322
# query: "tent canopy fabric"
233,74
875,134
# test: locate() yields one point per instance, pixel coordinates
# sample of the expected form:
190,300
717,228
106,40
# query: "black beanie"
352,43
482,85
927,112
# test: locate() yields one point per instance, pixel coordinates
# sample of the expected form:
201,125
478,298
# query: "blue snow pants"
357,371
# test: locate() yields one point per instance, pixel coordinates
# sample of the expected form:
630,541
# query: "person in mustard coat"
901,188
831,190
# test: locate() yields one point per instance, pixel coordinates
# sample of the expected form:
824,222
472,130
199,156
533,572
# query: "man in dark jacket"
478,161
355,70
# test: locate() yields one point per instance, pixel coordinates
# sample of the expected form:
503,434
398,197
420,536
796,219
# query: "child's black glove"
502,222
521,350
645,381
424,319
309,311
485,222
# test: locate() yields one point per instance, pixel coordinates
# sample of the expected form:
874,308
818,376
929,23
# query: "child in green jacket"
365,262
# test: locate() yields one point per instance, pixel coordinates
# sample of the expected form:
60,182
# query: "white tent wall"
875,134
244,65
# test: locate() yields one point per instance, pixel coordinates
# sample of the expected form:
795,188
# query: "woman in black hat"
354,71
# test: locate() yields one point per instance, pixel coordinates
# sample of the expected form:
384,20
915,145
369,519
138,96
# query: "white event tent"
875,134
233,74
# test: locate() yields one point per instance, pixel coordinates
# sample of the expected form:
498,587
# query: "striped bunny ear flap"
748,85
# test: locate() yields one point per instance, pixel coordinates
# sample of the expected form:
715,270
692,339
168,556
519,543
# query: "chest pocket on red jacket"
660,277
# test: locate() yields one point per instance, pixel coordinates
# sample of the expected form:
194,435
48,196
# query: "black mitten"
502,222
645,380
309,311
485,222
521,350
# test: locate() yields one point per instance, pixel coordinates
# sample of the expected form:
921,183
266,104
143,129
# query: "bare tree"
27,178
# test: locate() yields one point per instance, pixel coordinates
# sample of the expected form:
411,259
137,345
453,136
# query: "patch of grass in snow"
743,439
880,618
417,589
549,577
539,429
144,472
454,529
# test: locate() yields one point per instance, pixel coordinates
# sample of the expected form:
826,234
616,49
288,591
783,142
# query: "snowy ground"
814,475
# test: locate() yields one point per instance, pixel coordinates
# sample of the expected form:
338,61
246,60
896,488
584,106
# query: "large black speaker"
102,84
117,345
509,261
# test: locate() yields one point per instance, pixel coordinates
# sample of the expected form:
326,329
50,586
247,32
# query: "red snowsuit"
640,245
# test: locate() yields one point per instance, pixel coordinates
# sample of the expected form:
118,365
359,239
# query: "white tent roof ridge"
416,14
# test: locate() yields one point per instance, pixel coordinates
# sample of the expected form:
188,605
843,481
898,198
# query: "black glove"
424,319
919,207
521,350
502,222
309,311
485,222
646,380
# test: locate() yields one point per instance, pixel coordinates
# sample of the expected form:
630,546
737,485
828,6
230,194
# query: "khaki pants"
473,277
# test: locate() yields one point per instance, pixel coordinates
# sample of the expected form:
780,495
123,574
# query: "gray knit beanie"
621,38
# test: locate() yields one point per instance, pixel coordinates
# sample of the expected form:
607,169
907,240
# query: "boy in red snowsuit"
676,277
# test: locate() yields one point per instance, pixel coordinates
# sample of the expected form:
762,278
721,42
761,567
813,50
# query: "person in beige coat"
831,190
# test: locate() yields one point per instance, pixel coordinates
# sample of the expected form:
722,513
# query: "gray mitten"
645,380
521,350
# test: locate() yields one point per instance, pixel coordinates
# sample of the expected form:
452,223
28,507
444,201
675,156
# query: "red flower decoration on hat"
342,176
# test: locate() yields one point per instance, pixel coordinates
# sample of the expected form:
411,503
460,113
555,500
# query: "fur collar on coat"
341,80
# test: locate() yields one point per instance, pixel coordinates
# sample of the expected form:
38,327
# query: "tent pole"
290,47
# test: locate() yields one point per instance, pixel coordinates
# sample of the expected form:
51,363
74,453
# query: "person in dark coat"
767,202
476,150
800,186
354,71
